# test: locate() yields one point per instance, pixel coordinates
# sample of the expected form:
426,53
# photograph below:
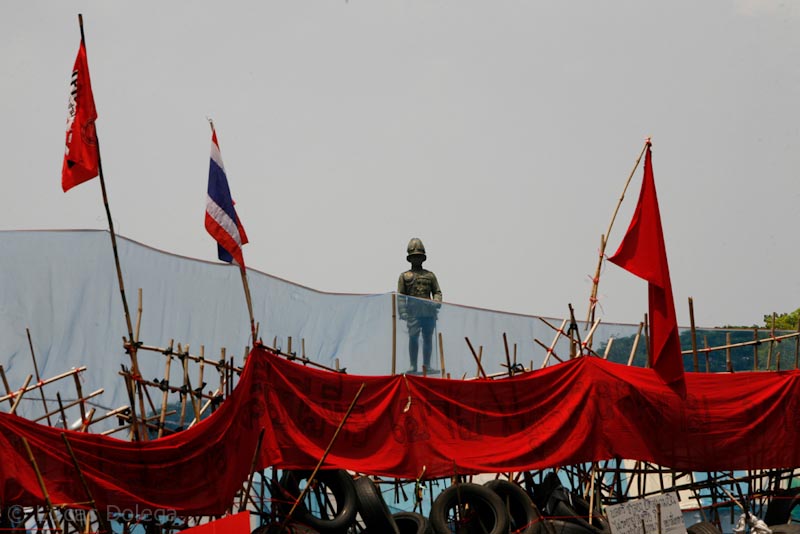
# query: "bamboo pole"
441,355
322,459
394,333
243,502
705,346
635,344
608,348
559,333
508,356
36,371
756,343
71,404
8,396
20,393
62,412
694,336
728,361
797,346
772,341
40,480
43,382
550,352
88,421
475,355
604,238
165,391
647,344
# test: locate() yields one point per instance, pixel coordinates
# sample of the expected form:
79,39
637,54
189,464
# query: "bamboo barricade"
42,382
551,348
604,239
477,358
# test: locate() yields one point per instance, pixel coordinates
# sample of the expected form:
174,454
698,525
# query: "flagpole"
245,284
131,346
604,240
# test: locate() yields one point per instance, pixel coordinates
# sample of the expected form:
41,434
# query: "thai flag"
221,220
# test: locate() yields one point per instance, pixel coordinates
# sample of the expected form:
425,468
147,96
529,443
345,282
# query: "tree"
784,321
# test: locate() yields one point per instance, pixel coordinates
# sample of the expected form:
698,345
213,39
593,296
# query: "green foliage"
784,321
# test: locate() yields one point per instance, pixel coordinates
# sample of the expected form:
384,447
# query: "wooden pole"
36,371
441,355
165,394
695,363
243,503
559,333
728,361
39,479
608,348
635,344
394,333
19,394
100,518
8,396
508,356
322,459
755,349
477,359
71,372
797,346
604,238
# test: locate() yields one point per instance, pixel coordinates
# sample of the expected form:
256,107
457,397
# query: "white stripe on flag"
216,156
223,219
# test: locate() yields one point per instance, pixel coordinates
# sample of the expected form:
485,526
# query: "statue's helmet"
416,248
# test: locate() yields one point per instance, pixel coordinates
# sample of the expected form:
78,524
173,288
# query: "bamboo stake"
608,348
756,342
797,346
772,342
550,352
746,343
694,336
604,237
728,361
88,421
8,396
635,344
20,394
559,333
61,411
138,317
164,396
508,356
394,333
256,453
477,359
322,459
705,346
36,370
441,355
79,389
52,515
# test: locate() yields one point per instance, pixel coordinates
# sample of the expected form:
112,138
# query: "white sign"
627,518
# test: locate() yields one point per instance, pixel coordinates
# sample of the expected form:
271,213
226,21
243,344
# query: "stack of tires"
333,504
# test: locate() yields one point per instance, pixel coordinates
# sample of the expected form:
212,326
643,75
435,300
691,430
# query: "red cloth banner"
586,409
233,524
81,154
643,253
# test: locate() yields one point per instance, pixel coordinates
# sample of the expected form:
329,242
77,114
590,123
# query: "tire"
559,526
540,493
373,509
333,500
468,509
704,527
780,506
412,523
523,516
575,509
790,528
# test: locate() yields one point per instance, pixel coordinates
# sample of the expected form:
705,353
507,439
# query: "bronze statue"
419,312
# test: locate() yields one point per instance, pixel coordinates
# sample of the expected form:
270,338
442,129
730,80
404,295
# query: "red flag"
232,524
81,157
643,253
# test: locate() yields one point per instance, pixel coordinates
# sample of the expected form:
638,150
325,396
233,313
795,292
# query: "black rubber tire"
780,506
523,516
560,526
412,523
790,528
373,509
337,483
540,493
484,511
575,509
704,527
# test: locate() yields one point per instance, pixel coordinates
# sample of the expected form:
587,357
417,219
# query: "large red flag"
643,253
81,156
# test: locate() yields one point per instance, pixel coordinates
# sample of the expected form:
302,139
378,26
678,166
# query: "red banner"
233,524
584,410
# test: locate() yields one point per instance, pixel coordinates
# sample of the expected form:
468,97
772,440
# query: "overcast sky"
499,132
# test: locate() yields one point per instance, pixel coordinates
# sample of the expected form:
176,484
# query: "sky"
500,133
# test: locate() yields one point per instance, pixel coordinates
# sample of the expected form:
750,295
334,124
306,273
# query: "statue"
419,312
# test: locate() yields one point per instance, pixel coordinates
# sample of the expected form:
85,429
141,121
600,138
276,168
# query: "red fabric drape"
643,253
583,410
